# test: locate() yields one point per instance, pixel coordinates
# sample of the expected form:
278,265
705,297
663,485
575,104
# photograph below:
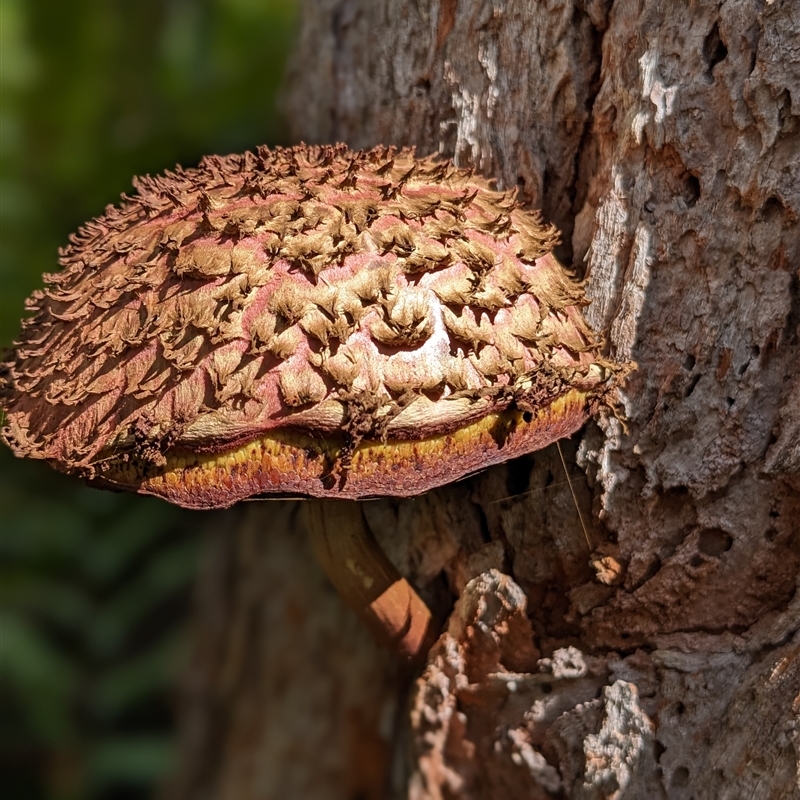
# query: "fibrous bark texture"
662,659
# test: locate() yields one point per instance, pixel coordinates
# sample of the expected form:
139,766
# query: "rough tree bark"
664,140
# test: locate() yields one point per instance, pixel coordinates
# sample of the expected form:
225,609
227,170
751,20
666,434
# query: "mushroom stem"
366,580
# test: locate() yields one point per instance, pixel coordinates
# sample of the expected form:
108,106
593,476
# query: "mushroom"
313,322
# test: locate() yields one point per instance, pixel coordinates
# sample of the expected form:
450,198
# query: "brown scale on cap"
309,321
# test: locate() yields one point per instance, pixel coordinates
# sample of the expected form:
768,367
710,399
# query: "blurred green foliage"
95,586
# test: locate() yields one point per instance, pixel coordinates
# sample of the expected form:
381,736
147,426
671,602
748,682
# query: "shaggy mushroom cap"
302,321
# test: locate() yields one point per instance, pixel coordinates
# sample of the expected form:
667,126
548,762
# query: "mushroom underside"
288,462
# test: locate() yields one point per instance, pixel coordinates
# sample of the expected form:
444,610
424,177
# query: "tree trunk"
663,659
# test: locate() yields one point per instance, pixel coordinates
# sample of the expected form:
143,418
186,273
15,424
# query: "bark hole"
680,777
714,49
691,190
692,384
714,542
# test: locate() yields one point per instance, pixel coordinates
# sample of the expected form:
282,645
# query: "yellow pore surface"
292,461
